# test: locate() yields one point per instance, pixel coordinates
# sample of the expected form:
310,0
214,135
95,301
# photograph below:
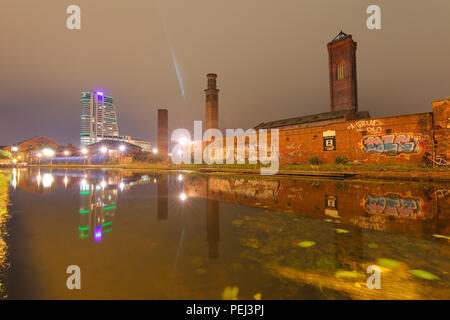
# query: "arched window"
340,72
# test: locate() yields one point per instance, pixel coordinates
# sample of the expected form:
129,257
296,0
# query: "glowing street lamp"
183,196
14,149
48,152
155,150
104,150
66,153
84,151
39,157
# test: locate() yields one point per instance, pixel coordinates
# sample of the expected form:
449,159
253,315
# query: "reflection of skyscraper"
98,118
163,197
97,209
212,227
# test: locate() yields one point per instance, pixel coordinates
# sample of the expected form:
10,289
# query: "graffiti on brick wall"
392,144
372,126
394,204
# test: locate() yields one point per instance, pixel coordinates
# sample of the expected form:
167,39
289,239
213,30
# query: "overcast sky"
270,57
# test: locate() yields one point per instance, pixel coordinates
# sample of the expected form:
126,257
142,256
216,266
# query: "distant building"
28,149
98,118
145,145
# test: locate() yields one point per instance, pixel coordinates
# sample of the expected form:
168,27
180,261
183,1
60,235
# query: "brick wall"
441,117
382,140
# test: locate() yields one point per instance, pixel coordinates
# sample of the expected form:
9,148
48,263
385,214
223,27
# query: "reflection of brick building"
391,208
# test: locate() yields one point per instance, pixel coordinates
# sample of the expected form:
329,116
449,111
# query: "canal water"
140,235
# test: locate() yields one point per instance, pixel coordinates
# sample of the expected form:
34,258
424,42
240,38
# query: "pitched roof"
340,36
326,116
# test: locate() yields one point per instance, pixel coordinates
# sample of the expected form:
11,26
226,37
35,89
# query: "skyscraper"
98,118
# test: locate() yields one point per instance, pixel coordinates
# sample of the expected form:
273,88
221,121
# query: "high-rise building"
98,118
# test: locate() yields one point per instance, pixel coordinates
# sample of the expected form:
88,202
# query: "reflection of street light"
180,177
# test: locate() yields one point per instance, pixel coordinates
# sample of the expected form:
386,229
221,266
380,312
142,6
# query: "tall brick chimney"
163,132
342,72
212,103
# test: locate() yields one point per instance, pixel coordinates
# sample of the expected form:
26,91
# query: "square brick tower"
212,102
342,65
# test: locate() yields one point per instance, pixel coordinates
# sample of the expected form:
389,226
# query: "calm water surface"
138,235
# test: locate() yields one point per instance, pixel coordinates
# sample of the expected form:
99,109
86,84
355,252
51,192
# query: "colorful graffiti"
394,205
372,126
391,144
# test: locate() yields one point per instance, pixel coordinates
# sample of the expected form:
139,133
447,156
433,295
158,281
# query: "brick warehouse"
345,131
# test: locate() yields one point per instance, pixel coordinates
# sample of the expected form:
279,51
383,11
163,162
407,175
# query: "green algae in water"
328,220
422,274
306,244
230,293
341,231
348,274
441,236
388,263
372,245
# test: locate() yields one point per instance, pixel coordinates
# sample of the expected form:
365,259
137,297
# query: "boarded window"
340,72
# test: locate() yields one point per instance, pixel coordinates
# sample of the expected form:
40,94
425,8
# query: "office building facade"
98,118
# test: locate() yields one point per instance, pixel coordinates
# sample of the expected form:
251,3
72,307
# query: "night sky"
270,57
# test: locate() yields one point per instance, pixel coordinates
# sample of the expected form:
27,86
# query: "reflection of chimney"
163,132
212,103
163,198
212,227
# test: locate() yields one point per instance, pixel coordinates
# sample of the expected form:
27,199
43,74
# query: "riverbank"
372,171
3,218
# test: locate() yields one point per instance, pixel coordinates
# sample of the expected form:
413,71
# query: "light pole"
122,149
84,151
104,150
39,157
66,153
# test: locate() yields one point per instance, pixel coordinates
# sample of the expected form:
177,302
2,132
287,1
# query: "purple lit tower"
98,118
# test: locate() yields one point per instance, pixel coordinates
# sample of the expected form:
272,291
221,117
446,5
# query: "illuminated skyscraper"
98,118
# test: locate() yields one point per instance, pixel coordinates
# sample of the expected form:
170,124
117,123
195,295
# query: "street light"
104,150
66,153
39,156
84,151
122,149
155,150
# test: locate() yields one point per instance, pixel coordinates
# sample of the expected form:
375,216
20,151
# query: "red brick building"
345,131
27,150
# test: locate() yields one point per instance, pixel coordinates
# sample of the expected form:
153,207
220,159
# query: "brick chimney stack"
163,132
212,103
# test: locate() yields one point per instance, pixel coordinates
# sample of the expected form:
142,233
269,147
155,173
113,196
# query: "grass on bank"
3,218
290,167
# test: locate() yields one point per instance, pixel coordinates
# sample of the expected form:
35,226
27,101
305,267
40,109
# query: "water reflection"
185,236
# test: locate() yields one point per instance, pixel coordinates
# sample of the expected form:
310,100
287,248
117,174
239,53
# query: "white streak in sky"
174,58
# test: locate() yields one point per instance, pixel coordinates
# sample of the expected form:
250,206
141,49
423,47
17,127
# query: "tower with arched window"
342,69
